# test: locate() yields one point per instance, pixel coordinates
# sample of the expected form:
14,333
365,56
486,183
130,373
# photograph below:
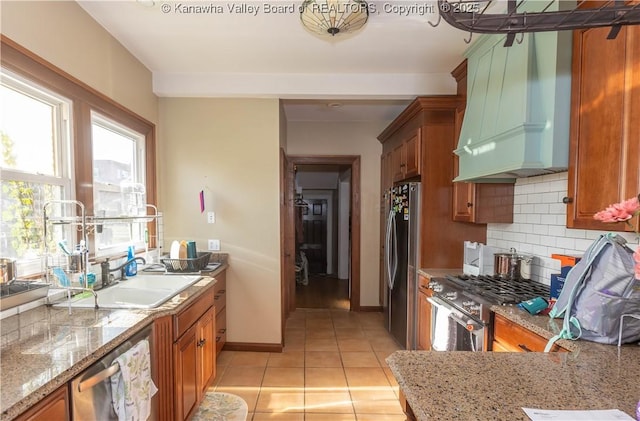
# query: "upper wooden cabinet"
405,157
480,203
604,154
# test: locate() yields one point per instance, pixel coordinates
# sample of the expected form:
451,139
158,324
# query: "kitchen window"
62,139
35,165
118,183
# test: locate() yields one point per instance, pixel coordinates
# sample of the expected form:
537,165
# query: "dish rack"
194,264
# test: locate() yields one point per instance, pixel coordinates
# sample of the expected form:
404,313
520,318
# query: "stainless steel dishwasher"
91,390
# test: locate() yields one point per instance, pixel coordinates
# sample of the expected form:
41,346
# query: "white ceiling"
271,55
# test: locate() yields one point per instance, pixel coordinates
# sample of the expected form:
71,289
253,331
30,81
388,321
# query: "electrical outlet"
211,217
214,245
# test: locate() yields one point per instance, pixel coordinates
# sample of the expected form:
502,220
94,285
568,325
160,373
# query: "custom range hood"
516,122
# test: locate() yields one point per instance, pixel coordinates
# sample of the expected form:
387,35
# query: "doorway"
324,219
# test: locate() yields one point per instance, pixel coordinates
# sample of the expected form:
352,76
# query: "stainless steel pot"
512,265
7,270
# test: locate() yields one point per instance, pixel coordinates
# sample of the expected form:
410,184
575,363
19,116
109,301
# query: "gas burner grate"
500,290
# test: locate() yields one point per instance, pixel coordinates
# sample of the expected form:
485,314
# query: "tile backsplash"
539,225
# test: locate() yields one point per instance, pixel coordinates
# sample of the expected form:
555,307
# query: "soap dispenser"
132,268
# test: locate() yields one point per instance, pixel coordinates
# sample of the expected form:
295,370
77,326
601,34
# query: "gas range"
474,295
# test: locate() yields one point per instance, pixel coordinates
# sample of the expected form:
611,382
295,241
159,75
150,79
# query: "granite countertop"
496,385
45,347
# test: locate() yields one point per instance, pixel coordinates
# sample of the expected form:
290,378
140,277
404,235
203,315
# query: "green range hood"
516,122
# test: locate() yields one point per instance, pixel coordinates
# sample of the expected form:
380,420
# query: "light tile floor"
332,368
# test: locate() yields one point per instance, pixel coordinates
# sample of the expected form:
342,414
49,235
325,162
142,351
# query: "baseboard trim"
254,347
377,309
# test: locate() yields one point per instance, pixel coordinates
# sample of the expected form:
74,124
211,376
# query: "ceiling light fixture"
334,16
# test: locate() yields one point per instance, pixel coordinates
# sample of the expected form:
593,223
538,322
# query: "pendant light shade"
334,16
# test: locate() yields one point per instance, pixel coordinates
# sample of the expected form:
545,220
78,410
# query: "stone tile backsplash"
539,225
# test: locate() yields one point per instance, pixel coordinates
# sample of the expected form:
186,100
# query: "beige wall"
230,149
351,138
62,33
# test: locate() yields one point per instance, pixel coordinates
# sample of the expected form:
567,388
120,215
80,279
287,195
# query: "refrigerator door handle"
394,255
387,249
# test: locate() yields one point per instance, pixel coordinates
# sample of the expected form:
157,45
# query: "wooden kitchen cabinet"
511,337
53,407
604,152
405,157
424,315
220,302
480,203
194,354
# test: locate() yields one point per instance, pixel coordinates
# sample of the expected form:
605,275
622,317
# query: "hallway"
332,368
323,291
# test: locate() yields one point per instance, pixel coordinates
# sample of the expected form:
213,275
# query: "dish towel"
132,386
441,330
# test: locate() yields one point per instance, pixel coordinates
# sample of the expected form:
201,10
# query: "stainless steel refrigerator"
401,262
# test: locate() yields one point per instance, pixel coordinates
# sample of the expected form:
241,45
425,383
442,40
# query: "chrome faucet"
107,278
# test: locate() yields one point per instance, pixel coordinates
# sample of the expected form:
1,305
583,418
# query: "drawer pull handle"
216,297
218,338
524,348
222,291
222,330
201,343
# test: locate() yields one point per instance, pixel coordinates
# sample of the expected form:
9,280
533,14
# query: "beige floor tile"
249,394
286,359
320,333
295,333
249,359
324,378
296,322
265,416
382,356
372,393
346,323
322,359
359,359
381,406
328,402
318,313
325,323
354,344
384,343
224,358
283,377
363,377
280,399
329,417
321,344
349,332
390,376
242,376
380,417
293,344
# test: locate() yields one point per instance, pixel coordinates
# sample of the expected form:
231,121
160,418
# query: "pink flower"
619,212
636,257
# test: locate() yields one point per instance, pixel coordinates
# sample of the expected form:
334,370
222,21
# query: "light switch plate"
214,245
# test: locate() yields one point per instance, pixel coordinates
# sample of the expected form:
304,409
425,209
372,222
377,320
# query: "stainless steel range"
461,315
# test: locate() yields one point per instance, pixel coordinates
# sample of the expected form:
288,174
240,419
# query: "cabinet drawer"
220,291
515,338
221,329
221,283
191,314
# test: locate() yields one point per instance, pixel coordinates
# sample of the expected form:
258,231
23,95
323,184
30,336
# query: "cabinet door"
186,371
207,350
515,338
424,321
53,407
398,162
412,154
605,133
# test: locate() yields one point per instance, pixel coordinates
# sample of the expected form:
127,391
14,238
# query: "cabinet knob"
218,338
567,199
469,204
524,348
201,343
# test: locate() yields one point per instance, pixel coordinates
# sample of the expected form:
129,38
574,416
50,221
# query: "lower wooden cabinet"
424,320
53,407
511,337
220,300
194,354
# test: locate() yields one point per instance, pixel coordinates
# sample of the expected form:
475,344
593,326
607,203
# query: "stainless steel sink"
21,292
139,292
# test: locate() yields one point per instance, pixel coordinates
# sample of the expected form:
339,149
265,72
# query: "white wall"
351,138
230,149
344,204
539,225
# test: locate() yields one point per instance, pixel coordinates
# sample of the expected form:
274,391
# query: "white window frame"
139,175
63,148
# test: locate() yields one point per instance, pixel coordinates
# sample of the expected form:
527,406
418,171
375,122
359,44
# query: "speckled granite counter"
43,348
495,386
